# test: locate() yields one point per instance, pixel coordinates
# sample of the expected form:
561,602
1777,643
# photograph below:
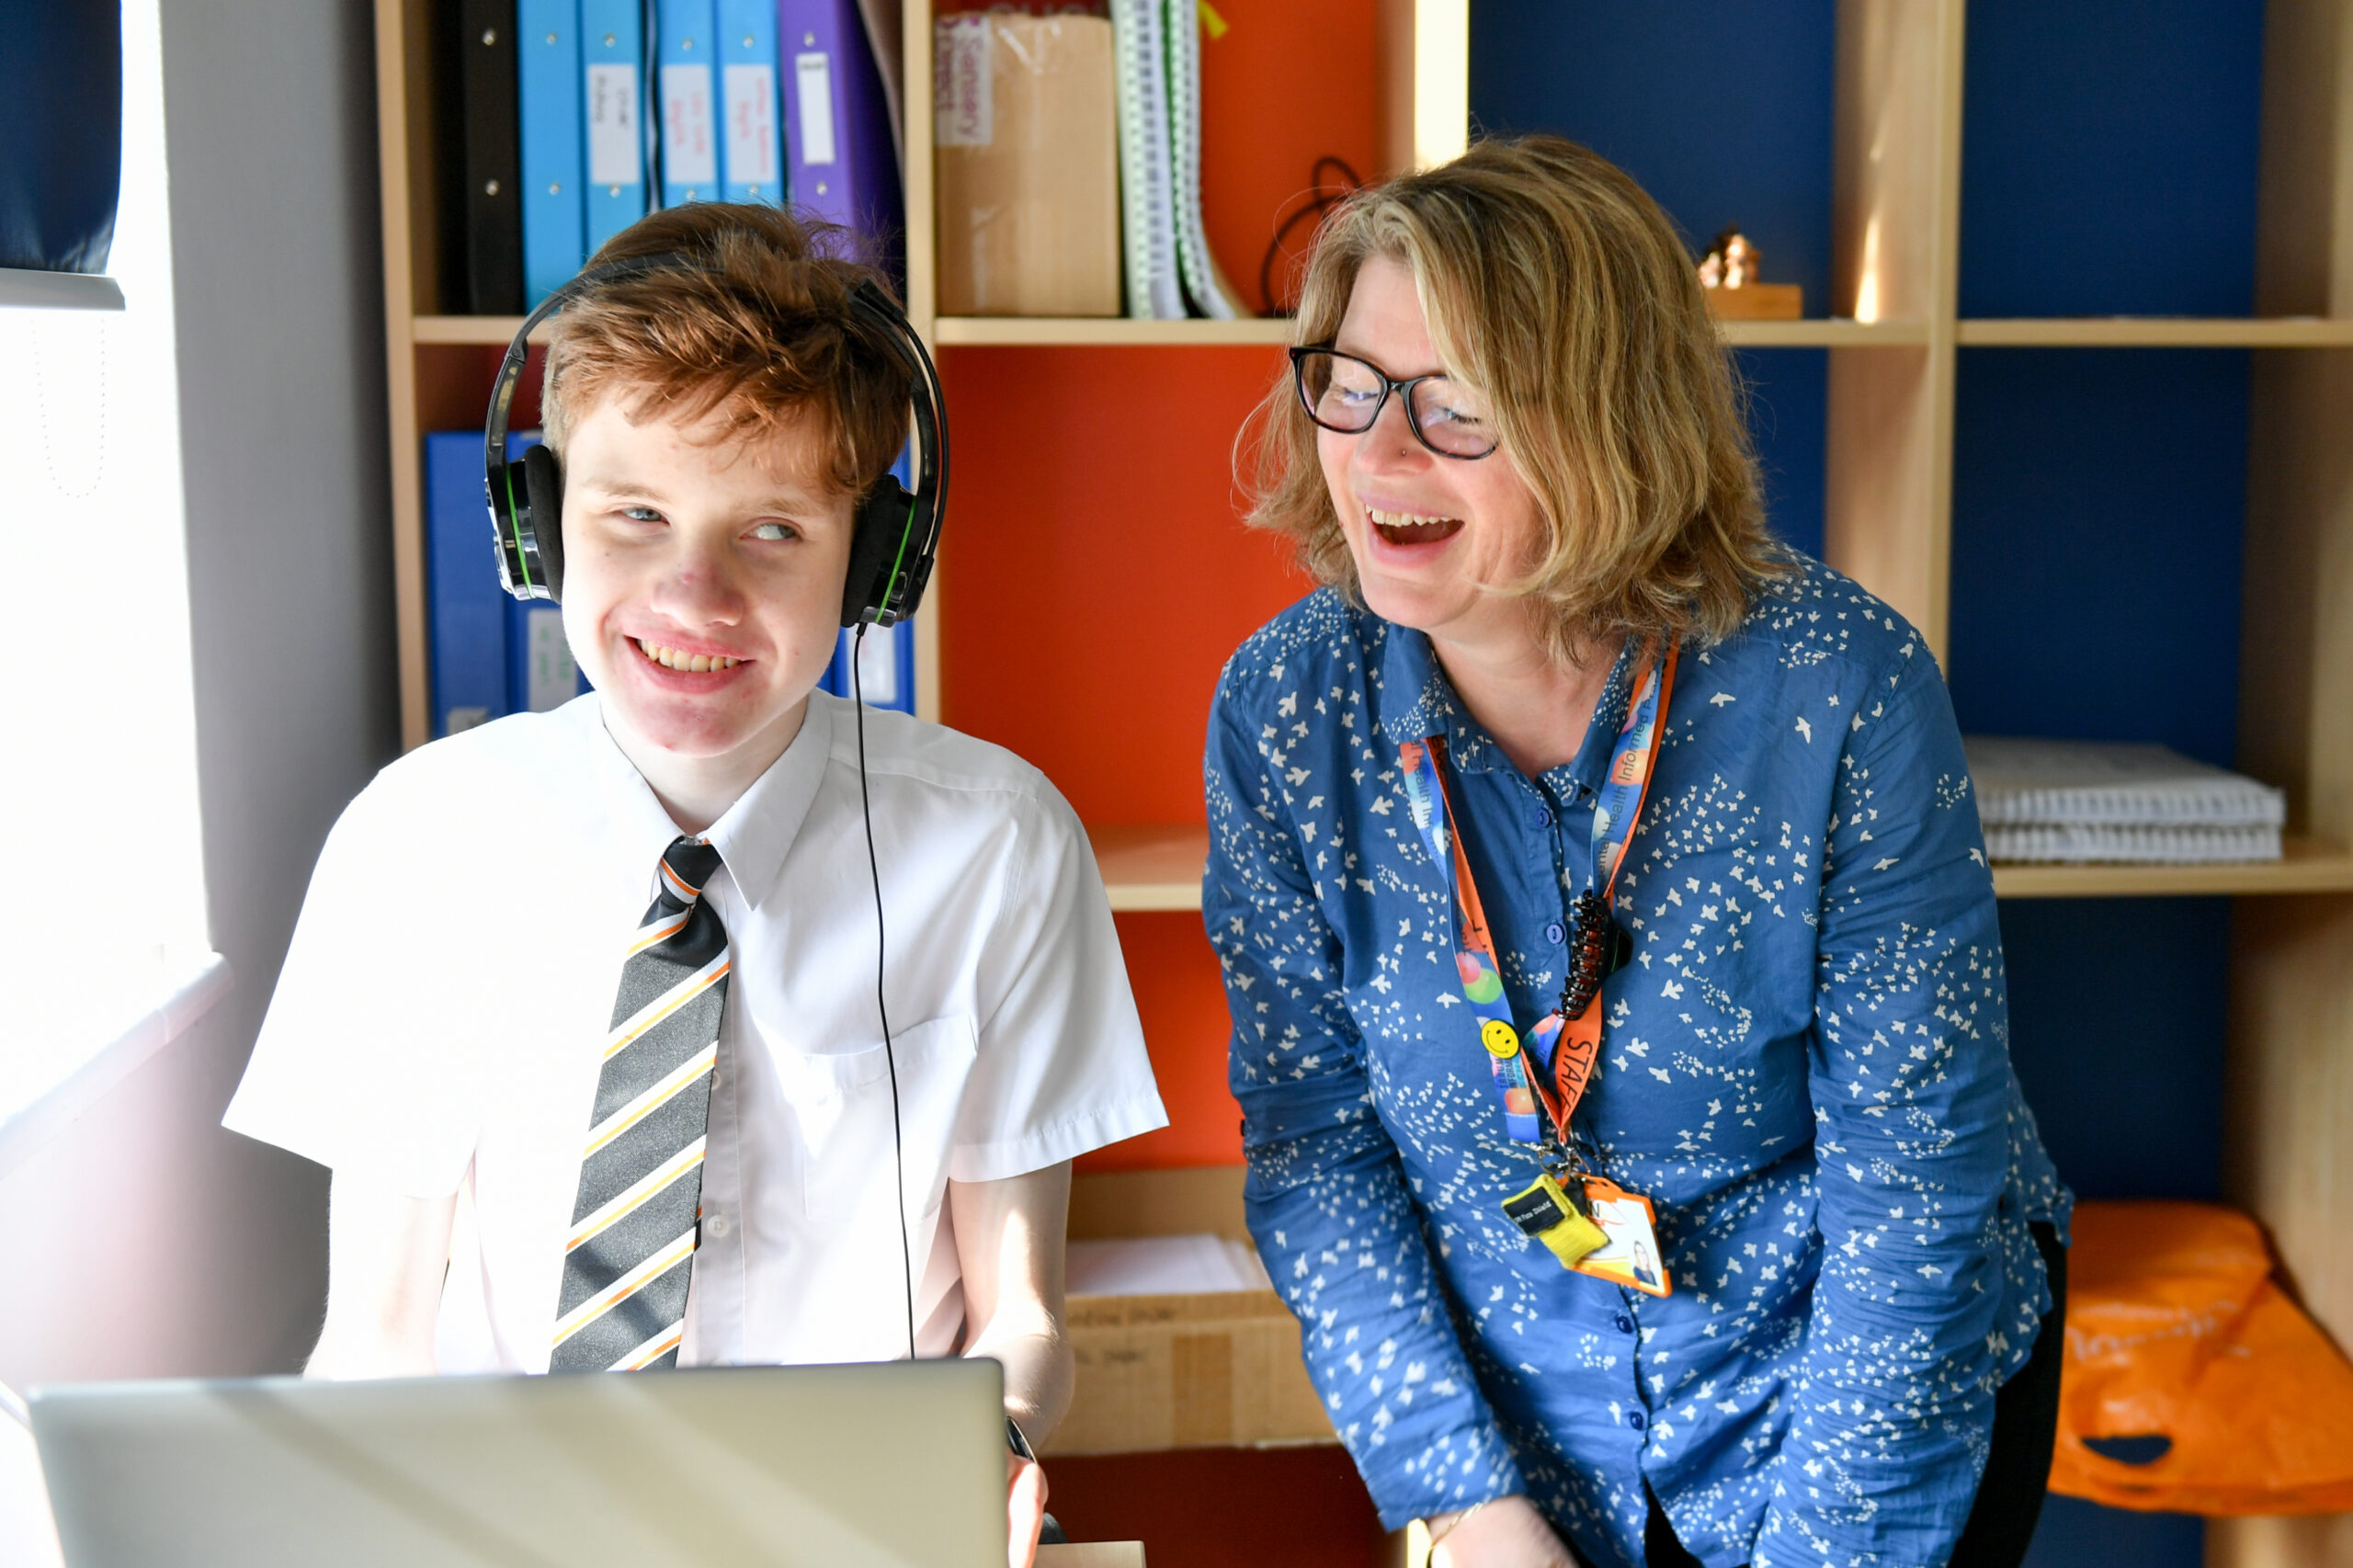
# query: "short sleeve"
353,1067
1061,1067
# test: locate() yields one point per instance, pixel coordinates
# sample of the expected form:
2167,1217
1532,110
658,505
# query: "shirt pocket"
842,1103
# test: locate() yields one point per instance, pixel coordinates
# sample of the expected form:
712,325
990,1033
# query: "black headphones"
897,532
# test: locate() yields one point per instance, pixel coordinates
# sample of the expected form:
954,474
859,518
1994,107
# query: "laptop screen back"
895,1466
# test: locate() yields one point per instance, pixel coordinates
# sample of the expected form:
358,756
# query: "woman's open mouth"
1410,527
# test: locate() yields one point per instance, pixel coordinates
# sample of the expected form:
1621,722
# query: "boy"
445,1035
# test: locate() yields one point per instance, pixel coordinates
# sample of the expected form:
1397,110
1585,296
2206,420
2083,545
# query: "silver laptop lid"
896,1465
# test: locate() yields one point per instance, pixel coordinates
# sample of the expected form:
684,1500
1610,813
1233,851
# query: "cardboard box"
1028,166
1181,1371
1187,1372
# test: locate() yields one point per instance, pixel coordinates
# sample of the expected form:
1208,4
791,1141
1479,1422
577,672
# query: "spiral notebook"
1206,291
2089,801
1147,174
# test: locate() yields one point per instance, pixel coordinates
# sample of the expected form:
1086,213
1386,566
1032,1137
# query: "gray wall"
175,1247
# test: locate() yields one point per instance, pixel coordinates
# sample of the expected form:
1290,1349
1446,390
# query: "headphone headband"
896,535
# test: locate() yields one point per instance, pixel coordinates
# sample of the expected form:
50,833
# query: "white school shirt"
440,1018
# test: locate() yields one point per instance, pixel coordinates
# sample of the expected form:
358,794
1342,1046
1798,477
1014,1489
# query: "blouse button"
1634,1419
1555,932
1625,1323
1541,816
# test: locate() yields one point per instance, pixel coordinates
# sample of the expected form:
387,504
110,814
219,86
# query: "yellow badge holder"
1558,1216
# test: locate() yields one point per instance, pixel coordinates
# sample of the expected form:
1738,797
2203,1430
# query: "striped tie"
634,1225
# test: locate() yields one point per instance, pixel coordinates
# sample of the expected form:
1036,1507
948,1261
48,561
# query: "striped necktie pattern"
634,1225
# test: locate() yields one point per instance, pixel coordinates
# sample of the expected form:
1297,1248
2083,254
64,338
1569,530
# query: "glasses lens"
1340,394
1452,418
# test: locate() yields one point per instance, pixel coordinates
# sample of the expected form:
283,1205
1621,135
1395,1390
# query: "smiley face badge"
1500,1039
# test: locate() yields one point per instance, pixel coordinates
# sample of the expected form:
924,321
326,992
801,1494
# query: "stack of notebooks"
576,117
492,654
2074,802
1069,158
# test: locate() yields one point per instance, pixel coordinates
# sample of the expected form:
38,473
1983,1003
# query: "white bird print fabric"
1805,1065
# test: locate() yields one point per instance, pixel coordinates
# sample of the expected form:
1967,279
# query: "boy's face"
702,581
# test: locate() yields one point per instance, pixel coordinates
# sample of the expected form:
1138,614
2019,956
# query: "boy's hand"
1025,1509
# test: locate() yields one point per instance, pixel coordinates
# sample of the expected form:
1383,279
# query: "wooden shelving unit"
1106,332
1892,340
2157,332
1118,333
1158,868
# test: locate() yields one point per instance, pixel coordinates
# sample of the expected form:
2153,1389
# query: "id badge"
1629,1255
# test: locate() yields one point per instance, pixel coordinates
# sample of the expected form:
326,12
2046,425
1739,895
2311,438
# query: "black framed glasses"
1346,395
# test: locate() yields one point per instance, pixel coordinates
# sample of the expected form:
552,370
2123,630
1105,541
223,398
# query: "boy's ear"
880,521
543,487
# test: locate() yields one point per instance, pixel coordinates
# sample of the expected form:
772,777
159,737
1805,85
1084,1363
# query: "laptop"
896,1465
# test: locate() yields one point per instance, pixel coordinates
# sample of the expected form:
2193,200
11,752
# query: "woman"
1565,720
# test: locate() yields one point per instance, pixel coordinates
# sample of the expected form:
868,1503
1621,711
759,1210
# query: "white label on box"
814,72
751,127
963,91
616,146
550,680
877,665
689,138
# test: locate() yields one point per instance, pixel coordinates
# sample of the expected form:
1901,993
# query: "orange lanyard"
1566,1042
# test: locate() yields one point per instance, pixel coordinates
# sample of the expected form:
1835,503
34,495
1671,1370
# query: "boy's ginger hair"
754,329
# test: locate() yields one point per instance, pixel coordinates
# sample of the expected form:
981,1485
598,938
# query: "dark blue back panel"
1788,416
2108,158
2116,1028
1722,108
2097,508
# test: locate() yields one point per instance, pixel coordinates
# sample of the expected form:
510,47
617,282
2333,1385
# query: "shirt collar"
754,835
1418,701
762,824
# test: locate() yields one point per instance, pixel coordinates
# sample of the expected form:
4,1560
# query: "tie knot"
686,865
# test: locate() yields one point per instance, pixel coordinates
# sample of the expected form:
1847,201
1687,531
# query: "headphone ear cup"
543,484
873,546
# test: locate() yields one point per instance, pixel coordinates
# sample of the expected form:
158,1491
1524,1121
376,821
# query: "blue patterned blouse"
1806,1067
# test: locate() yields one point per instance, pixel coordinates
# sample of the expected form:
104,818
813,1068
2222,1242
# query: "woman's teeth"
1409,528
693,663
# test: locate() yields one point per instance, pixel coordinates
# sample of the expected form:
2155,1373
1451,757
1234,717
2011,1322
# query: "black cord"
1321,199
874,870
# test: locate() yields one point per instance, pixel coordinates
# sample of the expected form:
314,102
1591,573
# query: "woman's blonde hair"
1556,287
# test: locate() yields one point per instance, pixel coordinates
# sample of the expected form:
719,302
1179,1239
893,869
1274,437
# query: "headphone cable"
874,870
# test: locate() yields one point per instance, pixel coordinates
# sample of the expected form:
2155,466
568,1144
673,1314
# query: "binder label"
689,145
616,146
963,92
550,678
814,75
751,127
878,666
